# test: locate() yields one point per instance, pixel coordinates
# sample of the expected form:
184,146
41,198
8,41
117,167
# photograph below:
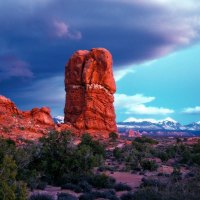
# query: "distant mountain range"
152,126
157,126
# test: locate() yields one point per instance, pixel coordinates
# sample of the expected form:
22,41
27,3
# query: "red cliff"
16,124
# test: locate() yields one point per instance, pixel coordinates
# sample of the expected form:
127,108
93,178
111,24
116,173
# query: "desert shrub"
7,148
146,182
186,156
149,165
196,147
65,196
171,152
133,160
57,157
145,139
85,186
117,153
113,136
96,146
41,185
85,159
127,196
109,194
162,155
102,181
40,197
21,191
183,190
72,187
55,153
147,194
196,158
139,146
122,187
176,174
10,188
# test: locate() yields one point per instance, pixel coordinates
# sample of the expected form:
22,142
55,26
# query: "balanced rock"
89,86
16,124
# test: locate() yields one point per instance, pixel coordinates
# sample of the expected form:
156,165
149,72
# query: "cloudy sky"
155,46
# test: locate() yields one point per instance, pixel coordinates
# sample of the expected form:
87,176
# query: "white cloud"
136,105
132,119
121,73
192,110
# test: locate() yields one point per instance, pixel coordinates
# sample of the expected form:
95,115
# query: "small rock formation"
89,86
16,124
133,134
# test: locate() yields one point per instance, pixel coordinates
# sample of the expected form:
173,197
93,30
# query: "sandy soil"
133,180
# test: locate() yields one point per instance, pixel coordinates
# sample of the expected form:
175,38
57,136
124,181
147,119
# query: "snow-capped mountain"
167,124
58,119
195,126
170,124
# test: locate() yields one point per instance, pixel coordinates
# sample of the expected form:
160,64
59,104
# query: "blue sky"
155,46
172,82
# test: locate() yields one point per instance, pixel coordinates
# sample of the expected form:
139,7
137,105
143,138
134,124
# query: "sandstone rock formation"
90,86
134,134
15,124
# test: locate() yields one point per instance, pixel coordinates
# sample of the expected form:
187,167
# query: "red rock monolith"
90,86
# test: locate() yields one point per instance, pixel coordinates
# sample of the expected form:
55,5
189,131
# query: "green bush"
113,136
57,157
102,181
149,165
145,139
117,153
9,188
95,145
162,155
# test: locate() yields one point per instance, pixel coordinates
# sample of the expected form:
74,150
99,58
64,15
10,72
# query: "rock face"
90,86
15,124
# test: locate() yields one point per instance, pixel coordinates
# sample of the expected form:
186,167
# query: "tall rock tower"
89,86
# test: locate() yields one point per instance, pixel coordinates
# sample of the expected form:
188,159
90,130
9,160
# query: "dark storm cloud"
42,34
47,32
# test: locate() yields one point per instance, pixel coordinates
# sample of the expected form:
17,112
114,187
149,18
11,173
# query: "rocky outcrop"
90,86
16,124
134,134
